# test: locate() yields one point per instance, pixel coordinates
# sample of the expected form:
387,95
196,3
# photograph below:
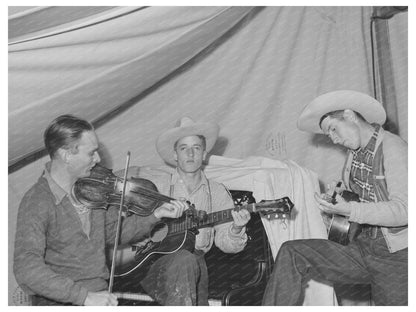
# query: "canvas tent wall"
134,71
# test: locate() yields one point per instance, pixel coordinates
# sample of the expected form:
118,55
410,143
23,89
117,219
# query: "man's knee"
291,250
184,258
290,246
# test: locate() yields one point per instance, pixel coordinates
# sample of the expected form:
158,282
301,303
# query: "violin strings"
151,194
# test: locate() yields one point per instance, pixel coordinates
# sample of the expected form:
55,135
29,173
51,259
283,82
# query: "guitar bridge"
142,247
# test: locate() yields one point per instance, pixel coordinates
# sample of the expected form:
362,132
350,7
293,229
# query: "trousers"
178,279
366,260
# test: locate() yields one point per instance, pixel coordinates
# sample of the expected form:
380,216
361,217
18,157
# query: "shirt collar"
56,190
177,178
371,145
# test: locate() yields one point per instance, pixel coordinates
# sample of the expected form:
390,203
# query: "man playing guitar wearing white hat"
376,170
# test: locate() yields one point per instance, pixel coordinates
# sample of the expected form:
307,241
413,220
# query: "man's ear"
64,154
175,156
349,115
204,155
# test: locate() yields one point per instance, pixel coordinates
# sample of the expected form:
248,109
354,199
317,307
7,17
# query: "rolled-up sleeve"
225,239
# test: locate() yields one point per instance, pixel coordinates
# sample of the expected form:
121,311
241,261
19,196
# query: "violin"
103,188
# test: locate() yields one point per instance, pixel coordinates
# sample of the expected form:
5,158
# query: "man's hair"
339,114
203,140
63,131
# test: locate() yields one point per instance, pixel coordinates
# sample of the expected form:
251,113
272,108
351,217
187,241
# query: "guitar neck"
214,218
223,216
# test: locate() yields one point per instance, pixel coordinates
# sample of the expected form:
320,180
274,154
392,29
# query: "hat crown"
371,109
184,122
185,127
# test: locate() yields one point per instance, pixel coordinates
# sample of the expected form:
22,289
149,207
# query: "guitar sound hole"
159,232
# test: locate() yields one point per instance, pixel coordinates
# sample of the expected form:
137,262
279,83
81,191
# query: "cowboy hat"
183,128
368,107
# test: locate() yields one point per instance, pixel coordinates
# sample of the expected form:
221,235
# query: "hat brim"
166,141
371,109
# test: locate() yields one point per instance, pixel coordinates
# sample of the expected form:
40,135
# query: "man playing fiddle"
60,244
181,278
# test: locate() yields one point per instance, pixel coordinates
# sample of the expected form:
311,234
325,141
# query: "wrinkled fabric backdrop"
134,71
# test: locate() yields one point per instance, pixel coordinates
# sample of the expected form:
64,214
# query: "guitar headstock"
275,208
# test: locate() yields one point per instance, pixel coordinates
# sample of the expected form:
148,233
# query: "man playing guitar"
181,278
376,170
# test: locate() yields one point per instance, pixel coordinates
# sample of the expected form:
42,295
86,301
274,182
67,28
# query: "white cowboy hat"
183,128
367,106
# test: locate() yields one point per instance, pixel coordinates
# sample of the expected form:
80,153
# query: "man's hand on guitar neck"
174,209
240,219
341,207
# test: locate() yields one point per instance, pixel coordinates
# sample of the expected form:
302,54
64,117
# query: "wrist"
156,214
236,229
345,209
82,297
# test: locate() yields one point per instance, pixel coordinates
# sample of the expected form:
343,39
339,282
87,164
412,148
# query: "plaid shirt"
361,181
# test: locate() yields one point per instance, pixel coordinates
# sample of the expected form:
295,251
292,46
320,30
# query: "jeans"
366,260
178,279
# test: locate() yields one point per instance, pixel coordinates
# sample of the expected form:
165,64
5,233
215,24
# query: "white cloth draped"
273,179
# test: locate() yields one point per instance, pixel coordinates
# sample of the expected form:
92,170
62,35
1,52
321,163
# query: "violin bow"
113,262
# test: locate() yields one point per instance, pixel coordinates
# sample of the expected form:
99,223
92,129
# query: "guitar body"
173,235
341,230
160,243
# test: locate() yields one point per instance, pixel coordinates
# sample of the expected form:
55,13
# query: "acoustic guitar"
171,235
341,230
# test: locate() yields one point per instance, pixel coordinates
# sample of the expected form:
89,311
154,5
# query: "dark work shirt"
54,257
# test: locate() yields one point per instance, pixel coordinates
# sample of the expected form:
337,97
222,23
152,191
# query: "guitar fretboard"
186,222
